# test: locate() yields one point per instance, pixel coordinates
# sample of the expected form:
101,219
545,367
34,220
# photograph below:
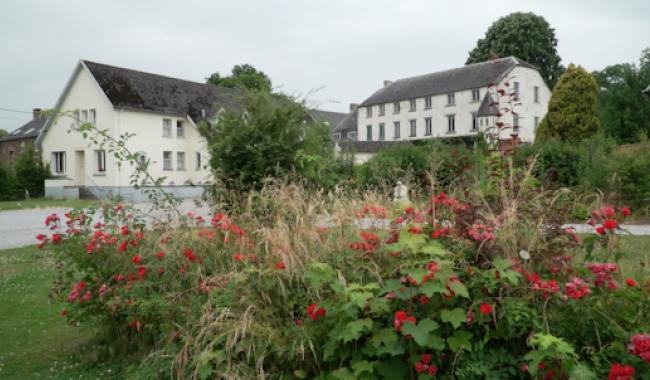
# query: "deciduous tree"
245,77
523,35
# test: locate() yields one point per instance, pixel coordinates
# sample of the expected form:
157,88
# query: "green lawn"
636,260
42,202
35,341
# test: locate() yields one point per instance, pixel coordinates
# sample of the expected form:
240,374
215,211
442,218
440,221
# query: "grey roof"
348,123
488,107
29,130
140,91
461,78
370,146
330,117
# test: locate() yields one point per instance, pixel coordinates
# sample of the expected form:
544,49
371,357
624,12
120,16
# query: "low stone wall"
130,194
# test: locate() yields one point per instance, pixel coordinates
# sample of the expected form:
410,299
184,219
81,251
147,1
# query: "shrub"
30,174
466,285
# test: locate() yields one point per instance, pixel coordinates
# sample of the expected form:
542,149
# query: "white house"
451,103
161,112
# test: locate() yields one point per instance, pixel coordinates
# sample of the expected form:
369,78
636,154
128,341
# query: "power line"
12,110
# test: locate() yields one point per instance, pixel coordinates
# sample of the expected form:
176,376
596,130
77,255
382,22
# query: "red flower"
415,230
40,237
620,372
160,255
625,211
641,346
419,367
124,230
238,257
63,312
630,282
426,358
189,254
119,277
142,271
485,309
315,312
136,259
56,238
123,246
610,224
402,317
424,366
600,230
280,265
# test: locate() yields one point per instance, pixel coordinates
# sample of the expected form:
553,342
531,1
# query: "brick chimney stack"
36,113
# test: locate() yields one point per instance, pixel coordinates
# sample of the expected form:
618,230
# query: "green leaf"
501,263
392,369
417,273
379,305
455,316
436,343
461,339
300,373
355,329
420,332
413,241
319,274
432,287
458,288
205,371
386,342
360,298
343,374
362,366
434,248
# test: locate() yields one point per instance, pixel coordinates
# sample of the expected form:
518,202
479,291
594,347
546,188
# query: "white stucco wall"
463,109
85,94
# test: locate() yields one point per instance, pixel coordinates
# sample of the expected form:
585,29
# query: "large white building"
446,104
160,112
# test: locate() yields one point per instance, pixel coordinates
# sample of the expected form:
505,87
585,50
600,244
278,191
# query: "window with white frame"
382,109
451,123
474,121
536,94
476,95
167,128
397,107
382,131
397,129
413,124
180,128
180,160
427,103
428,126
198,161
451,99
536,123
58,158
515,90
93,116
100,161
336,136
84,116
369,111
412,105
369,132
167,160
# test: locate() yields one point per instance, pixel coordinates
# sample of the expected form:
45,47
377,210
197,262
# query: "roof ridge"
510,57
85,61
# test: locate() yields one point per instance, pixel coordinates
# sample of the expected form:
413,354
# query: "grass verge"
42,203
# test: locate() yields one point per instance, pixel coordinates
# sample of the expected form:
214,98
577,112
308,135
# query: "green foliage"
3,133
523,35
571,112
631,176
26,174
244,77
269,136
623,110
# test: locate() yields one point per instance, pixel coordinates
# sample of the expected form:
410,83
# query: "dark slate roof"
370,146
29,130
140,91
488,107
348,123
332,118
461,78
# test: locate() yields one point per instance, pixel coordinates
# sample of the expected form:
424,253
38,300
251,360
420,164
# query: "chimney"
36,113
387,83
353,107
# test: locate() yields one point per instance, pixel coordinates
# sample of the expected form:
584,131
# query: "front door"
81,167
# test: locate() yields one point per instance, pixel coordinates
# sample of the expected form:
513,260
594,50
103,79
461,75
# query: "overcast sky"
344,48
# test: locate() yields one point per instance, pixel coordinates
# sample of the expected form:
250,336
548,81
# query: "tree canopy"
623,110
3,133
571,112
245,77
523,35
268,136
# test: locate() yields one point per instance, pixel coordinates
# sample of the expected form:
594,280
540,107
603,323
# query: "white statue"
401,192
